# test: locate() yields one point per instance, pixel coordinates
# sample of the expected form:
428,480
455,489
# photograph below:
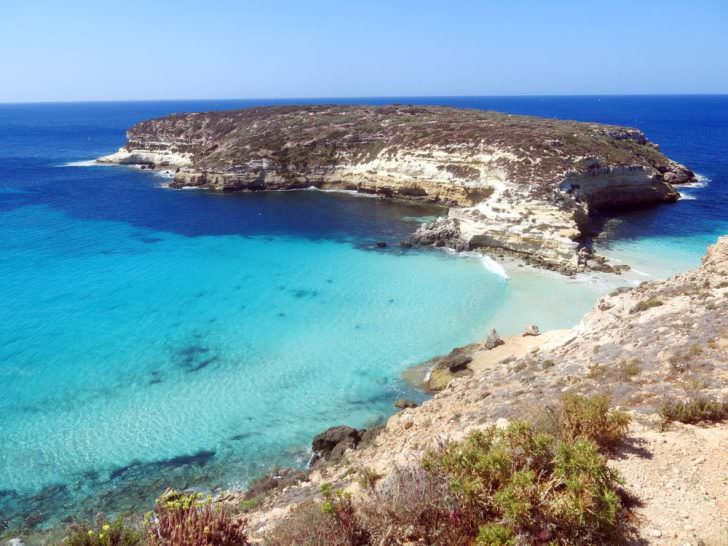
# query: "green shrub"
522,481
248,505
591,419
695,411
117,533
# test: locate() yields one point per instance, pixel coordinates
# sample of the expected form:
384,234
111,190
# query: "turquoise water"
152,337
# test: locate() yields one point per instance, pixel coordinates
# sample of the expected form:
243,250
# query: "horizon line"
367,97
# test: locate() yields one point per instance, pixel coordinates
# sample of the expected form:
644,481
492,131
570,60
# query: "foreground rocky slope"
660,342
519,184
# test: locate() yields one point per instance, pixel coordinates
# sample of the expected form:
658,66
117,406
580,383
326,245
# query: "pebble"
655,533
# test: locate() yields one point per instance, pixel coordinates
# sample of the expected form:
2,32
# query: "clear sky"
165,49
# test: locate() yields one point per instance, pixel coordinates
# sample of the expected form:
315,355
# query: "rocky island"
520,185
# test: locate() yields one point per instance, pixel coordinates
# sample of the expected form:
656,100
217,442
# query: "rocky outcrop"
522,185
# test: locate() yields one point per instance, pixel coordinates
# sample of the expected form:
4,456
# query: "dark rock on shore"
331,443
403,403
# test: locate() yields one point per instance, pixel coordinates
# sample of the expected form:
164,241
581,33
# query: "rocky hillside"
523,185
646,348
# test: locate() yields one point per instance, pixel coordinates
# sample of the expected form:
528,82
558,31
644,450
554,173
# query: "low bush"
117,533
644,305
580,417
699,410
529,483
187,520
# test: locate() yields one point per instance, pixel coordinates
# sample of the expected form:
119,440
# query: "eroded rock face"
523,185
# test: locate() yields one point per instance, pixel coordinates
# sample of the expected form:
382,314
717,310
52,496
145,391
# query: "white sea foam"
494,267
686,196
84,163
348,192
701,181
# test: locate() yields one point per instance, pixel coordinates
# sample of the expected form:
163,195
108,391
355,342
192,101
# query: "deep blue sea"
152,337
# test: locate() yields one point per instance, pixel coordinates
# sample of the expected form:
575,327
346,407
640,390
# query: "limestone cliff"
521,184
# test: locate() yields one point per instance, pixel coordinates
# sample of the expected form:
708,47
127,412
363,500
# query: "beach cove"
193,347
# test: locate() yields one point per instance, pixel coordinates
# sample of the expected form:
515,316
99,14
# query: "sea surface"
151,337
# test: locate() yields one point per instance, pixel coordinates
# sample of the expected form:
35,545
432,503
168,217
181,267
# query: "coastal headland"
518,185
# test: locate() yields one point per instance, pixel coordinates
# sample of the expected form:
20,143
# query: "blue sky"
163,49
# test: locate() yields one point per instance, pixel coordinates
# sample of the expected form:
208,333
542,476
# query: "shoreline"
516,346
521,377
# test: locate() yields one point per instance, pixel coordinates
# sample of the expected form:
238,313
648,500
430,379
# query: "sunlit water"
152,337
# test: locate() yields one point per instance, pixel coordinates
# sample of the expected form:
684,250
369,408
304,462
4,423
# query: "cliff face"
521,184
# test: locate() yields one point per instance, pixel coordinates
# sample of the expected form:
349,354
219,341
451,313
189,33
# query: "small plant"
248,505
700,410
180,519
495,534
591,419
629,369
117,533
548,364
368,478
644,305
678,364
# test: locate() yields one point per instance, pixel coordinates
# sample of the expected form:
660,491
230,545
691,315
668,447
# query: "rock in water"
493,340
